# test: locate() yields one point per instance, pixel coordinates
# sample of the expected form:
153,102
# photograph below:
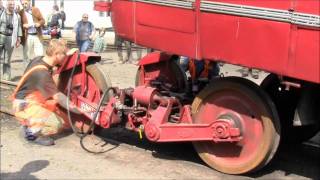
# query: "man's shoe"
44,141
26,134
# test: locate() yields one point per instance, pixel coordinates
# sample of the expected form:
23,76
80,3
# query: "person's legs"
7,59
38,47
139,52
184,62
30,48
214,70
26,59
40,123
7,64
255,73
128,45
118,44
245,72
2,51
84,45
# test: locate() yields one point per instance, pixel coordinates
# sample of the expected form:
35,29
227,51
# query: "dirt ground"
133,159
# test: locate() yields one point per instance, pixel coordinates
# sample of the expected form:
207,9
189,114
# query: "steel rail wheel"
255,115
286,103
96,83
168,73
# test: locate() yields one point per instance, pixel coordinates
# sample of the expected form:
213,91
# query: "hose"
68,96
92,124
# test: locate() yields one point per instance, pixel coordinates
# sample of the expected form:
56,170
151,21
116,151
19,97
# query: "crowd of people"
36,96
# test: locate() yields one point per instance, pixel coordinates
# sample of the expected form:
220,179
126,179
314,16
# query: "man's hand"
74,35
37,24
55,78
62,99
26,26
72,51
18,42
75,109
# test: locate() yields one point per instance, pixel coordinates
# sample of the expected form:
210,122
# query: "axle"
161,118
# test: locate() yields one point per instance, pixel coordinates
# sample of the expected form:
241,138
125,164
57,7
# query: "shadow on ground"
26,171
298,160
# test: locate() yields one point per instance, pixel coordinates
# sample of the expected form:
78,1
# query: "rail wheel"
165,75
96,83
286,103
254,113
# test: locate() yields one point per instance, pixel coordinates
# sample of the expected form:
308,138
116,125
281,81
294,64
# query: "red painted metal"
103,6
108,115
161,71
244,112
70,60
154,57
144,94
279,47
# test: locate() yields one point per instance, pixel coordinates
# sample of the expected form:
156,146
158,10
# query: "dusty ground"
132,159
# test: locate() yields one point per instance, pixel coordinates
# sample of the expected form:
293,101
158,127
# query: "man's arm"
93,32
61,99
40,18
19,31
74,32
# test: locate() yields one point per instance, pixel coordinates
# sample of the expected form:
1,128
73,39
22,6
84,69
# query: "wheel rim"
260,139
96,80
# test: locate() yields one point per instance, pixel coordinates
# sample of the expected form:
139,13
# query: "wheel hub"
226,130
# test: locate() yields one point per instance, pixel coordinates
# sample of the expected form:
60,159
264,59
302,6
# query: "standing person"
54,23
84,32
33,22
63,17
1,5
118,42
10,36
99,42
36,97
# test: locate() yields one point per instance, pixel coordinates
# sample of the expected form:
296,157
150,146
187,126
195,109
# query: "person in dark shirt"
55,23
63,17
36,97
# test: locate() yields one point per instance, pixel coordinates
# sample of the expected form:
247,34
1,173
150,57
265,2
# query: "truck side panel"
165,27
305,60
239,39
122,18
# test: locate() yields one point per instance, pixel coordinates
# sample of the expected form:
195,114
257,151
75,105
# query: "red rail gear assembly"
234,124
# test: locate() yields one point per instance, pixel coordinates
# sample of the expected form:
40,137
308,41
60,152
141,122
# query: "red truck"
235,125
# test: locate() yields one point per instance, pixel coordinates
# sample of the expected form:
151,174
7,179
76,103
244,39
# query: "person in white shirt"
33,22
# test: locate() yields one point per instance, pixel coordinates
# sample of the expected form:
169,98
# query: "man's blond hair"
56,46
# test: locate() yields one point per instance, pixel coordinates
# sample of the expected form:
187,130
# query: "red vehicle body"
277,36
234,124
